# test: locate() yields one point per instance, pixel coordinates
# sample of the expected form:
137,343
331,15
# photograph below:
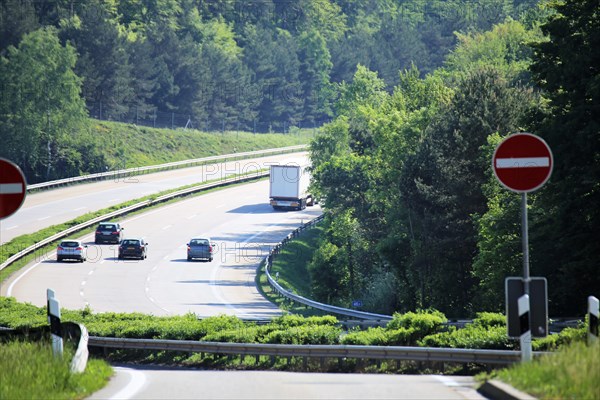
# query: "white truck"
289,187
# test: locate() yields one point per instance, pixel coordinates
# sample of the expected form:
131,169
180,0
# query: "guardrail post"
593,311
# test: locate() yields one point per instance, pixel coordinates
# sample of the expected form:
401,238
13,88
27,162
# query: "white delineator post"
54,321
525,337
593,311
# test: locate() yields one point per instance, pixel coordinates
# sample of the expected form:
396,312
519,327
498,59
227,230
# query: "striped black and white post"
593,310
525,329
54,321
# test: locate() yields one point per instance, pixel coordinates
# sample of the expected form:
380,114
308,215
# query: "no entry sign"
522,162
12,188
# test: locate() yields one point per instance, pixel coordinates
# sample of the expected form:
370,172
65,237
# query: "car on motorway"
71,250
200,248
133,248
108,232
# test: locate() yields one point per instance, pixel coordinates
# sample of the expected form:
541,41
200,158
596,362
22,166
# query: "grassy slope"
292,262
142,146
292,265
571,373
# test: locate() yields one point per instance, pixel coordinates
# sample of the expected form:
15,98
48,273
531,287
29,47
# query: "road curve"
47,208
239,221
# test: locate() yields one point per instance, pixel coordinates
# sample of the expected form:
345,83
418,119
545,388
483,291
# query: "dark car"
133,248
109,232
200,248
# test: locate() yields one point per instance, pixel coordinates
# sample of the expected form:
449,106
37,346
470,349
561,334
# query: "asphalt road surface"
240,222
160,383
46,208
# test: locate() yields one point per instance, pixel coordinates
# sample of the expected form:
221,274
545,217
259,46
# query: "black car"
133,248
108,232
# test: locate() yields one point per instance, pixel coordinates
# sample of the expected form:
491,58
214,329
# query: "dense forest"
413,97
257,65
416,216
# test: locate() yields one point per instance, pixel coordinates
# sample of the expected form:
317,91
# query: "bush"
472,336
248,334
565,337
423,322
371,337
288,321
489,320
310,334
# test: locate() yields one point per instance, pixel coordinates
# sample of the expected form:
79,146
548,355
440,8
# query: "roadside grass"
290,267
30,371
24,241
573,372
129,146
291,264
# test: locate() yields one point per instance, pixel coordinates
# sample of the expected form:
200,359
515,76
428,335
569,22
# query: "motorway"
243,226
47,208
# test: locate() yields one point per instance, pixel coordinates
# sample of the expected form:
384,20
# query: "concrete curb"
498,390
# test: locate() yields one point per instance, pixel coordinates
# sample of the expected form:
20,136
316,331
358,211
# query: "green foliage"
490,320
304,334
371,337
565,229
293,320
403,330
572,372
505,47
41,111
35,373
471,337
423,322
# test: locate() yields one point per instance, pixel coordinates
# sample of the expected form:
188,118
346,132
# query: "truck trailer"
289,187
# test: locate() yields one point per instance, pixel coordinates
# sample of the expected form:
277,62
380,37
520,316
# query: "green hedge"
422,328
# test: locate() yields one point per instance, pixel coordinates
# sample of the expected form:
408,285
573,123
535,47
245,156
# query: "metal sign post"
525,241
523,163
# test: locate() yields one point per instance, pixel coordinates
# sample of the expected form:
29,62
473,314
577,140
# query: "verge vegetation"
30,371
571,373
423,328
129,146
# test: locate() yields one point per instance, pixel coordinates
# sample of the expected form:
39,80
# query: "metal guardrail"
319,351
153,168
137,206
302,300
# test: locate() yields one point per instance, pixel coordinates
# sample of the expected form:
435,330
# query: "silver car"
200,248
71,250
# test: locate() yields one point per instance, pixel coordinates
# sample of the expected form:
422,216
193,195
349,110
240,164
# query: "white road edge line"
138,379
12,285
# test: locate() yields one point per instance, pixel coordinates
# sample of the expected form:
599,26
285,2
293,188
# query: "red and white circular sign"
522,162
13,188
